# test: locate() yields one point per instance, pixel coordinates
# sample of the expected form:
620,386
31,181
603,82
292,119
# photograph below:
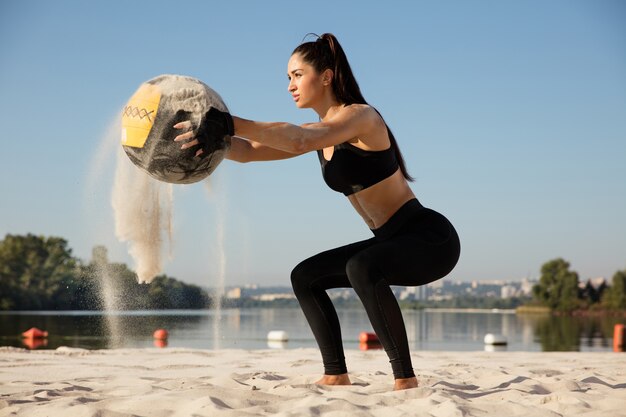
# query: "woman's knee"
301,276
363,271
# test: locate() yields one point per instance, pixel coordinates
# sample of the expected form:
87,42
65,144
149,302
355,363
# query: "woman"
412,245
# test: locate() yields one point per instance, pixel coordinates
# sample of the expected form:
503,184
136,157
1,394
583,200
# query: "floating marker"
160,343
370,346
618,338
495,339
366,337
278,335
34,343
34,333
276,344
160,334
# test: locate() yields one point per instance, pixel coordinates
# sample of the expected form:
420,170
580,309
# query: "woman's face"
305,83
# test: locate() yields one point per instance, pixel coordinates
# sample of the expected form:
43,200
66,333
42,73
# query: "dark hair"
326,53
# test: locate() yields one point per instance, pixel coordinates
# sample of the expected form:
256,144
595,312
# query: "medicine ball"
148,133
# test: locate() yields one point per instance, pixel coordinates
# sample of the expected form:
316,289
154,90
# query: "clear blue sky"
511,115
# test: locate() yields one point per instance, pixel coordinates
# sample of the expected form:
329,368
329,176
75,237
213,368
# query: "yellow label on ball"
139,115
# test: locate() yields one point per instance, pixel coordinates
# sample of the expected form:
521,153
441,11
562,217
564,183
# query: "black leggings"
415,247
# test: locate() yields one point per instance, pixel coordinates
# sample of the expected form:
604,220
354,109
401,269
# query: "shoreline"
523,309
199,312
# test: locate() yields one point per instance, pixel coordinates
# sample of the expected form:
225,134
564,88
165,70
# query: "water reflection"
574,333
248,329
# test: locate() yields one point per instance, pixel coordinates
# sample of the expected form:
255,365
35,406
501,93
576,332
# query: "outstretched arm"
243,150
348,124
276,140
240,149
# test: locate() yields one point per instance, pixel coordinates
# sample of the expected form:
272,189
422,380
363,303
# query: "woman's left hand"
214,126
187,136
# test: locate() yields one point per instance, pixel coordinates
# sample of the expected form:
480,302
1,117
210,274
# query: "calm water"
248,328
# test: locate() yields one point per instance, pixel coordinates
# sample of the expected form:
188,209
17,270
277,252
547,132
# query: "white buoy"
495,339
278,335
495,348
276,344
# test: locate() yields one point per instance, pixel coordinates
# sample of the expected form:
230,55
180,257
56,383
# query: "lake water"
248,329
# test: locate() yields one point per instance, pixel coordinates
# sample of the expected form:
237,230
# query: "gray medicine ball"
148,133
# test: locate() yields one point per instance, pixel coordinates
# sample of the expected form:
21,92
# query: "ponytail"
326,53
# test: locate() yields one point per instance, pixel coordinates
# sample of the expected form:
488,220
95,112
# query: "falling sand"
143,214
221,272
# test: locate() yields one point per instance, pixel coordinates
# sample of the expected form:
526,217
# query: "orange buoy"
160,343
33,343
34,333
618,338
365,337
370,345
160,334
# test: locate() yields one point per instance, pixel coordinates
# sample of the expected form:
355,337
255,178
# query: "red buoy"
160,343
31,343
365,337
618,338
370,346
34,333
160,334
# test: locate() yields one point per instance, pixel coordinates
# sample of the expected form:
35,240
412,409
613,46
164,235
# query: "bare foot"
342,379
405,383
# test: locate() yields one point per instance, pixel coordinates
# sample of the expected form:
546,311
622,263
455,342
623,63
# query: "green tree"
558,286
38,273
117,288
35,272
166,292
590,294
615,295
110,284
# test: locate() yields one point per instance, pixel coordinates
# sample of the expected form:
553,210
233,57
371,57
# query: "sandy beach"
185,382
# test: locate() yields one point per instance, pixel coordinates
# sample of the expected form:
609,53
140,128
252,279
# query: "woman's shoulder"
364,113
358,108
368,126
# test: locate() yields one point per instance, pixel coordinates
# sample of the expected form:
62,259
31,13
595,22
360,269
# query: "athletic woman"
412,245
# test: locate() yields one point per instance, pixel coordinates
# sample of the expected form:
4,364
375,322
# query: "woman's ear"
327,76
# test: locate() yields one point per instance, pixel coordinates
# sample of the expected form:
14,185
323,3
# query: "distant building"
440,297
234,293
508,291
272,297
341,293
436,284
526,287
408,293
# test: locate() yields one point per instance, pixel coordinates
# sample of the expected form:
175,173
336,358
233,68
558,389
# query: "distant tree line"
467,301
40,273
463,301
559,289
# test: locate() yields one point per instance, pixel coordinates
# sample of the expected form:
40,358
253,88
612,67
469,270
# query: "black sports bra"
353,169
